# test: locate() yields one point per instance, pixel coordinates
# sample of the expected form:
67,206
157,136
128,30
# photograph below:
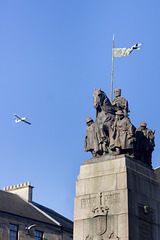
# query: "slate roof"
11,203
66,223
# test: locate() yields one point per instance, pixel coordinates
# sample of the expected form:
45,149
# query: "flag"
122,52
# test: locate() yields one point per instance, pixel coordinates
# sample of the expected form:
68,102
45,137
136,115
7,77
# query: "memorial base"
116,198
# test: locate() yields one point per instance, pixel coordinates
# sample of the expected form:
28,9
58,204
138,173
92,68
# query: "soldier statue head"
143,125
119,115
89,121
117,92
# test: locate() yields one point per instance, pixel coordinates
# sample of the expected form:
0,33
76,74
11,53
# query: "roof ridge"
156,168
45,214
67,219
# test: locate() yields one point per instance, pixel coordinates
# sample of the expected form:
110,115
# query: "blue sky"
53,54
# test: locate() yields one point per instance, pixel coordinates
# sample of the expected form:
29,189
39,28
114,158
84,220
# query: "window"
13,234
38,235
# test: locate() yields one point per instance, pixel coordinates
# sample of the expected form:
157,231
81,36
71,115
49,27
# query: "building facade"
23,219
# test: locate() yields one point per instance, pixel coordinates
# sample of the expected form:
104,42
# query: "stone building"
23,219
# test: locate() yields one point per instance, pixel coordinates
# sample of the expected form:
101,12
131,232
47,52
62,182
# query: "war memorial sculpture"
117,193
113,133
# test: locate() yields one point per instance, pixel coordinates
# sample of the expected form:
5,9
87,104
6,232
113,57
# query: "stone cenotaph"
117,193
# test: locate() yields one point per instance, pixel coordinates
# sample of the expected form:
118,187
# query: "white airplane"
21,119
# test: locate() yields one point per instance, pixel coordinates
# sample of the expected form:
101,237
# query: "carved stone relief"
113,236
88,202
100,218
111,198
88,237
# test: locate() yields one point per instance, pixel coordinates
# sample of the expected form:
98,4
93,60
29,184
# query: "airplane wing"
17,116
26,122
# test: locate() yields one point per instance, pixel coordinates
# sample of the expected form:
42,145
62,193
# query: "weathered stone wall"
116,198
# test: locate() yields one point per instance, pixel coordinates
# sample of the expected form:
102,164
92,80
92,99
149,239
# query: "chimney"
22,190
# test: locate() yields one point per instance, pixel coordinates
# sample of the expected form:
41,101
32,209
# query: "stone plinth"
116,198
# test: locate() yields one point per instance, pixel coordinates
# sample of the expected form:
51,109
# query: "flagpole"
112,71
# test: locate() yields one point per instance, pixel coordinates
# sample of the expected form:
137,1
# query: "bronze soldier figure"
120,102
144,143
113,133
